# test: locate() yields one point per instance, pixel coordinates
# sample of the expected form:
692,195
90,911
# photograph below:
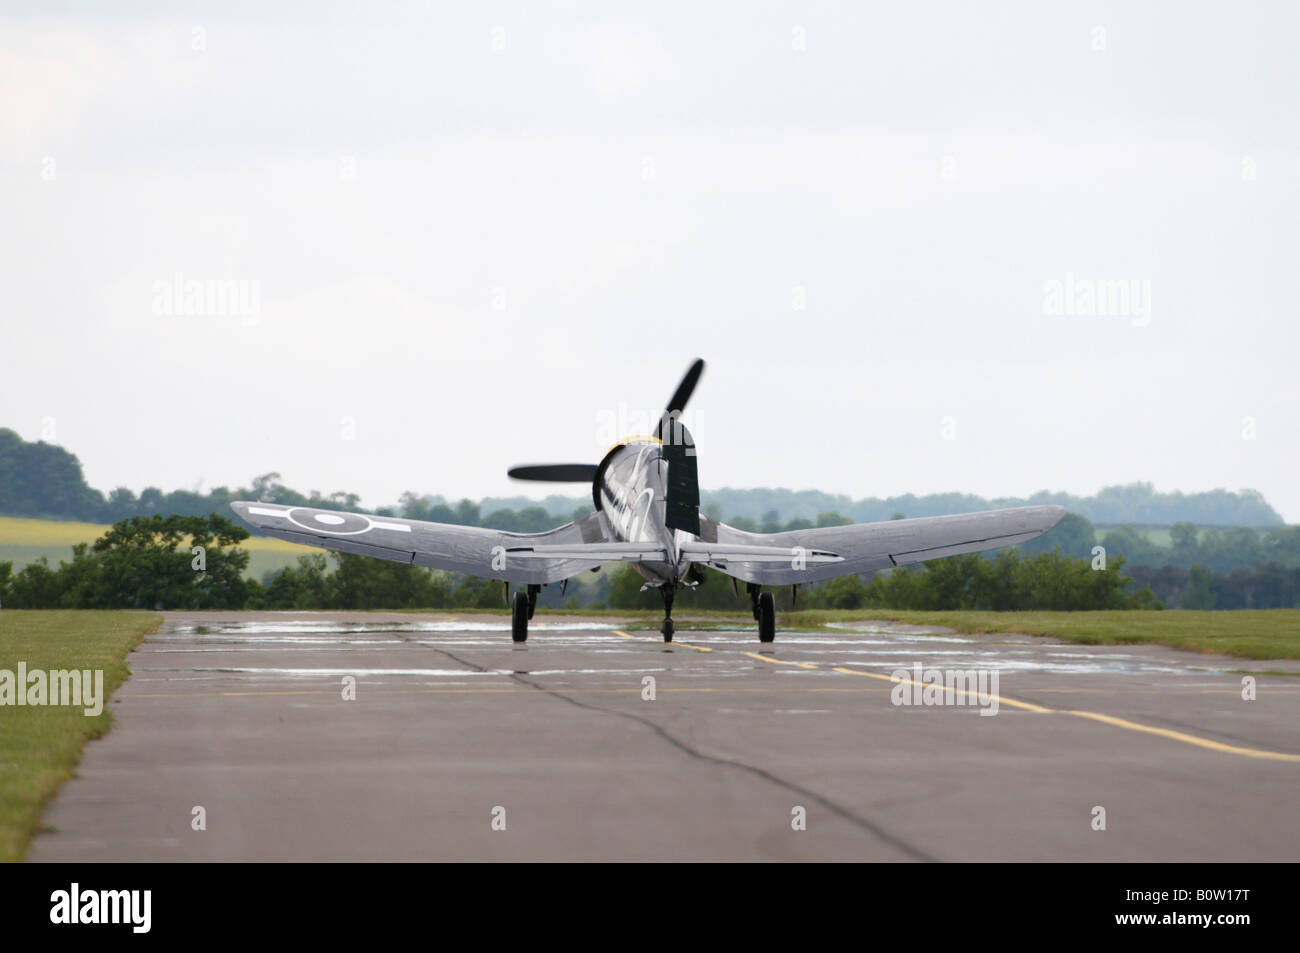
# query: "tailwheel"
766,612
520,611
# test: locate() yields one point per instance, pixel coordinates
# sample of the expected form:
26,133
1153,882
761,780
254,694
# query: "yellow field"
25,540
21,532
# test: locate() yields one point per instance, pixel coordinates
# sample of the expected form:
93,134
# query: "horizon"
505,501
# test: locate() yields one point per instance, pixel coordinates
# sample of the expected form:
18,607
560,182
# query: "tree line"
1267,586
44,480
1228,567
196,562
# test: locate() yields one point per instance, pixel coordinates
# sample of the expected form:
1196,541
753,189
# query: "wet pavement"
592,742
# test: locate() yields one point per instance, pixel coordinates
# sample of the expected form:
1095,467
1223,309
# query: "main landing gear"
764,605
521,610
667,591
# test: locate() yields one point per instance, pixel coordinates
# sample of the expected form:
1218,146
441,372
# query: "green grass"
40,746
1246,633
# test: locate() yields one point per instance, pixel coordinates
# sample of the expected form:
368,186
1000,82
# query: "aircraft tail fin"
683,491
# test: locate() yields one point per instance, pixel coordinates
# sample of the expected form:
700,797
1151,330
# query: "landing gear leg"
532,599
766,617
753,589
667,591
520,610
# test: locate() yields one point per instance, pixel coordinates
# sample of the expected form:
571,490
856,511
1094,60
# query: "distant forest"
43,480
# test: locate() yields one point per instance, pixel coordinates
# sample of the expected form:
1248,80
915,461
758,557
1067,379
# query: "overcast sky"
484,234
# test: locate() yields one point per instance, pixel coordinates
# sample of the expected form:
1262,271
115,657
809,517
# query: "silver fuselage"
633,497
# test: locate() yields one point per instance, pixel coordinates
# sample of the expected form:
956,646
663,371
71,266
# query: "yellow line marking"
1117,722
646,638
1041,709
780,661
1186,738
1001,699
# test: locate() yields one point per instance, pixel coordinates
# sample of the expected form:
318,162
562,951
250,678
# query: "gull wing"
536,558
866,547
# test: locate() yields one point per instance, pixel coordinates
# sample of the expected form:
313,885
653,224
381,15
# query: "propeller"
677,403
555,472
586,472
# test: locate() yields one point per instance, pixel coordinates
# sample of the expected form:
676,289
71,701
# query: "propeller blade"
555,472
683,393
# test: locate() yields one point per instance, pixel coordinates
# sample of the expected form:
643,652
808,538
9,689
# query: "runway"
459,745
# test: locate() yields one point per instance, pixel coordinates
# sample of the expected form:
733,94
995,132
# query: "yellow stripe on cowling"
626,440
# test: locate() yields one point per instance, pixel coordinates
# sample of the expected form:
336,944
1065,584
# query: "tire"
766,617
667,630
519,617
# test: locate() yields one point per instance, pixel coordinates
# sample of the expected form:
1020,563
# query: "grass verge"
40,746
1243,633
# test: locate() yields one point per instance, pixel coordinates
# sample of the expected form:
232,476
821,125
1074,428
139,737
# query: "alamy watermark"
208,298
77,905
625,422
1098,298
77,688
934,686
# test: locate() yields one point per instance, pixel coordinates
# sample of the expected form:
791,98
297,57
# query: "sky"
924,247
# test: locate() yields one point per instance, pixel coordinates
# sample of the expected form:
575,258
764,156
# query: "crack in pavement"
838,810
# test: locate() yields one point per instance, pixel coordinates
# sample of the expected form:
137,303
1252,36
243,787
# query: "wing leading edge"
796,556
475,550
866,547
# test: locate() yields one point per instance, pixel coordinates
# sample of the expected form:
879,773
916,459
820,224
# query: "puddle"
308,626
875,647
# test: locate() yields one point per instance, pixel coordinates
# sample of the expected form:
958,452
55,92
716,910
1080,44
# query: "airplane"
646,495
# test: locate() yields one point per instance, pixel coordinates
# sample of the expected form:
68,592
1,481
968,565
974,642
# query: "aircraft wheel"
519,617
667,630
766,617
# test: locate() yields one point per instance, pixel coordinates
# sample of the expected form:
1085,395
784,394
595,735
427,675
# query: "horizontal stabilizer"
604,552
722,553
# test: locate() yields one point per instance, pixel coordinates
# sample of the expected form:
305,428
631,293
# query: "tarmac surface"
455,733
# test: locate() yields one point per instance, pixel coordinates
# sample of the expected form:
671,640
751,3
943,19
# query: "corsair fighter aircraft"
646,496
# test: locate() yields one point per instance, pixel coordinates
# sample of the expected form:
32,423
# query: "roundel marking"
332,524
